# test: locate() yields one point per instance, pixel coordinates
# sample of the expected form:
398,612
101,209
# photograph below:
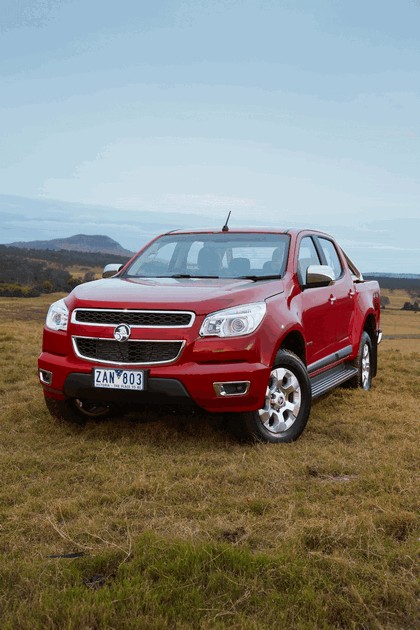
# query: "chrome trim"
330,358
122,333
111,270
319,274
45,376
131,310
82,356
218,388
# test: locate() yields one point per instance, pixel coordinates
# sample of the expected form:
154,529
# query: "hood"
196,294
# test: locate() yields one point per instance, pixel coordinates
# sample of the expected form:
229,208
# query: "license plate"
118,379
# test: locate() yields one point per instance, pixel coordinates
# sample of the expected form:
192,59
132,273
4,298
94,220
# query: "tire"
287,404
76,411
363,363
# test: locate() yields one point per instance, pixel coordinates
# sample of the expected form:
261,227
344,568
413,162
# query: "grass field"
172,524
78,271
398,297
395,323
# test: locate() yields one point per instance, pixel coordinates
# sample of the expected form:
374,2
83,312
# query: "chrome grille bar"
136,318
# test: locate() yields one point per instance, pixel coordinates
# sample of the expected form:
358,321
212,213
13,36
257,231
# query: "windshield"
251,255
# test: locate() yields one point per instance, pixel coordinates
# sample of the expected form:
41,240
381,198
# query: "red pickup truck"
253,323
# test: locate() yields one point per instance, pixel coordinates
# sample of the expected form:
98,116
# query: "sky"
293,111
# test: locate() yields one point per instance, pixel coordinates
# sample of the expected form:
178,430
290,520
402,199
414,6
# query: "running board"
322,383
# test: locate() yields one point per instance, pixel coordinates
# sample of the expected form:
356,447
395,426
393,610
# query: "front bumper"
181,384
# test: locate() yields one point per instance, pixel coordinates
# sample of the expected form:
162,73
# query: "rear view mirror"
111,270
319,276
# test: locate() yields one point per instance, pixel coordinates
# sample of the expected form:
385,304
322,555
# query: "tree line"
31,272
395,282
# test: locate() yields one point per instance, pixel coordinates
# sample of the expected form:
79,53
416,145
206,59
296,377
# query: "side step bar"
322,383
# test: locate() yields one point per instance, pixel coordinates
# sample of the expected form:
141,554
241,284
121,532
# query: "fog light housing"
232,388
45,377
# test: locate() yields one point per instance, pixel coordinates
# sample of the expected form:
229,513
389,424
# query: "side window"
307,256
331,256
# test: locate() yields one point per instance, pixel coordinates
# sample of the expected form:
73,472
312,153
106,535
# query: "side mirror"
319,276
111,270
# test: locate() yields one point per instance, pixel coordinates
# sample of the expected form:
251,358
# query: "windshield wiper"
185,275
257,278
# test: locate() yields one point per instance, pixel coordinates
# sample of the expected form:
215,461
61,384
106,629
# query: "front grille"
140,352
151,319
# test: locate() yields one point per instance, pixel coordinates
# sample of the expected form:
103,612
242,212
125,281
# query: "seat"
275,265
208,262
239,267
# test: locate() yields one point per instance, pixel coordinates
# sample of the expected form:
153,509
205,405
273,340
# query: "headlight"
233,322
57,316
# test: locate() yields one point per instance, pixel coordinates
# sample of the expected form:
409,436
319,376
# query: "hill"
78,243
385,245
30,268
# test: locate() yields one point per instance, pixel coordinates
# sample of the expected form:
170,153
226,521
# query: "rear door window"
331,256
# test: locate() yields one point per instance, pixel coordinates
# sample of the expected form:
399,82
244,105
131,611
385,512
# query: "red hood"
196,294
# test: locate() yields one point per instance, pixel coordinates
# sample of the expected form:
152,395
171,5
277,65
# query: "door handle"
332,299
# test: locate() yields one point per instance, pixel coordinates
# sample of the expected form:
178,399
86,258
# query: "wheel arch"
295,342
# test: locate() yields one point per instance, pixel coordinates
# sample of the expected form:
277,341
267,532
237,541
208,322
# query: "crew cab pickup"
252,323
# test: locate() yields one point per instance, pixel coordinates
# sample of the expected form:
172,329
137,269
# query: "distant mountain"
77,243
390,245
28,219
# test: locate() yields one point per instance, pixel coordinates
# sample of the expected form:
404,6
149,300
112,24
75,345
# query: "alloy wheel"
282,401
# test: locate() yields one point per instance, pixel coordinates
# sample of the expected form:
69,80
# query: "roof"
246,230
241,230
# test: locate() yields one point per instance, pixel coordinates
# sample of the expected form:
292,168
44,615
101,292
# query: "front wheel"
75,410
286,407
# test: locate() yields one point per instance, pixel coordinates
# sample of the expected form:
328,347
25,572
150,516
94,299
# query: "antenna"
225,227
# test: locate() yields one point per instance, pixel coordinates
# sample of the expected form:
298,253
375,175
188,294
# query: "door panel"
318,319
342,293
317,312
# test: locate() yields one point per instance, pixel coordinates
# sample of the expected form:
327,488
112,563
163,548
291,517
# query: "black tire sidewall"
67,410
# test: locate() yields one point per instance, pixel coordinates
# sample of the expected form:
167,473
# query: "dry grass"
78,271
180,526
397,297
397,323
